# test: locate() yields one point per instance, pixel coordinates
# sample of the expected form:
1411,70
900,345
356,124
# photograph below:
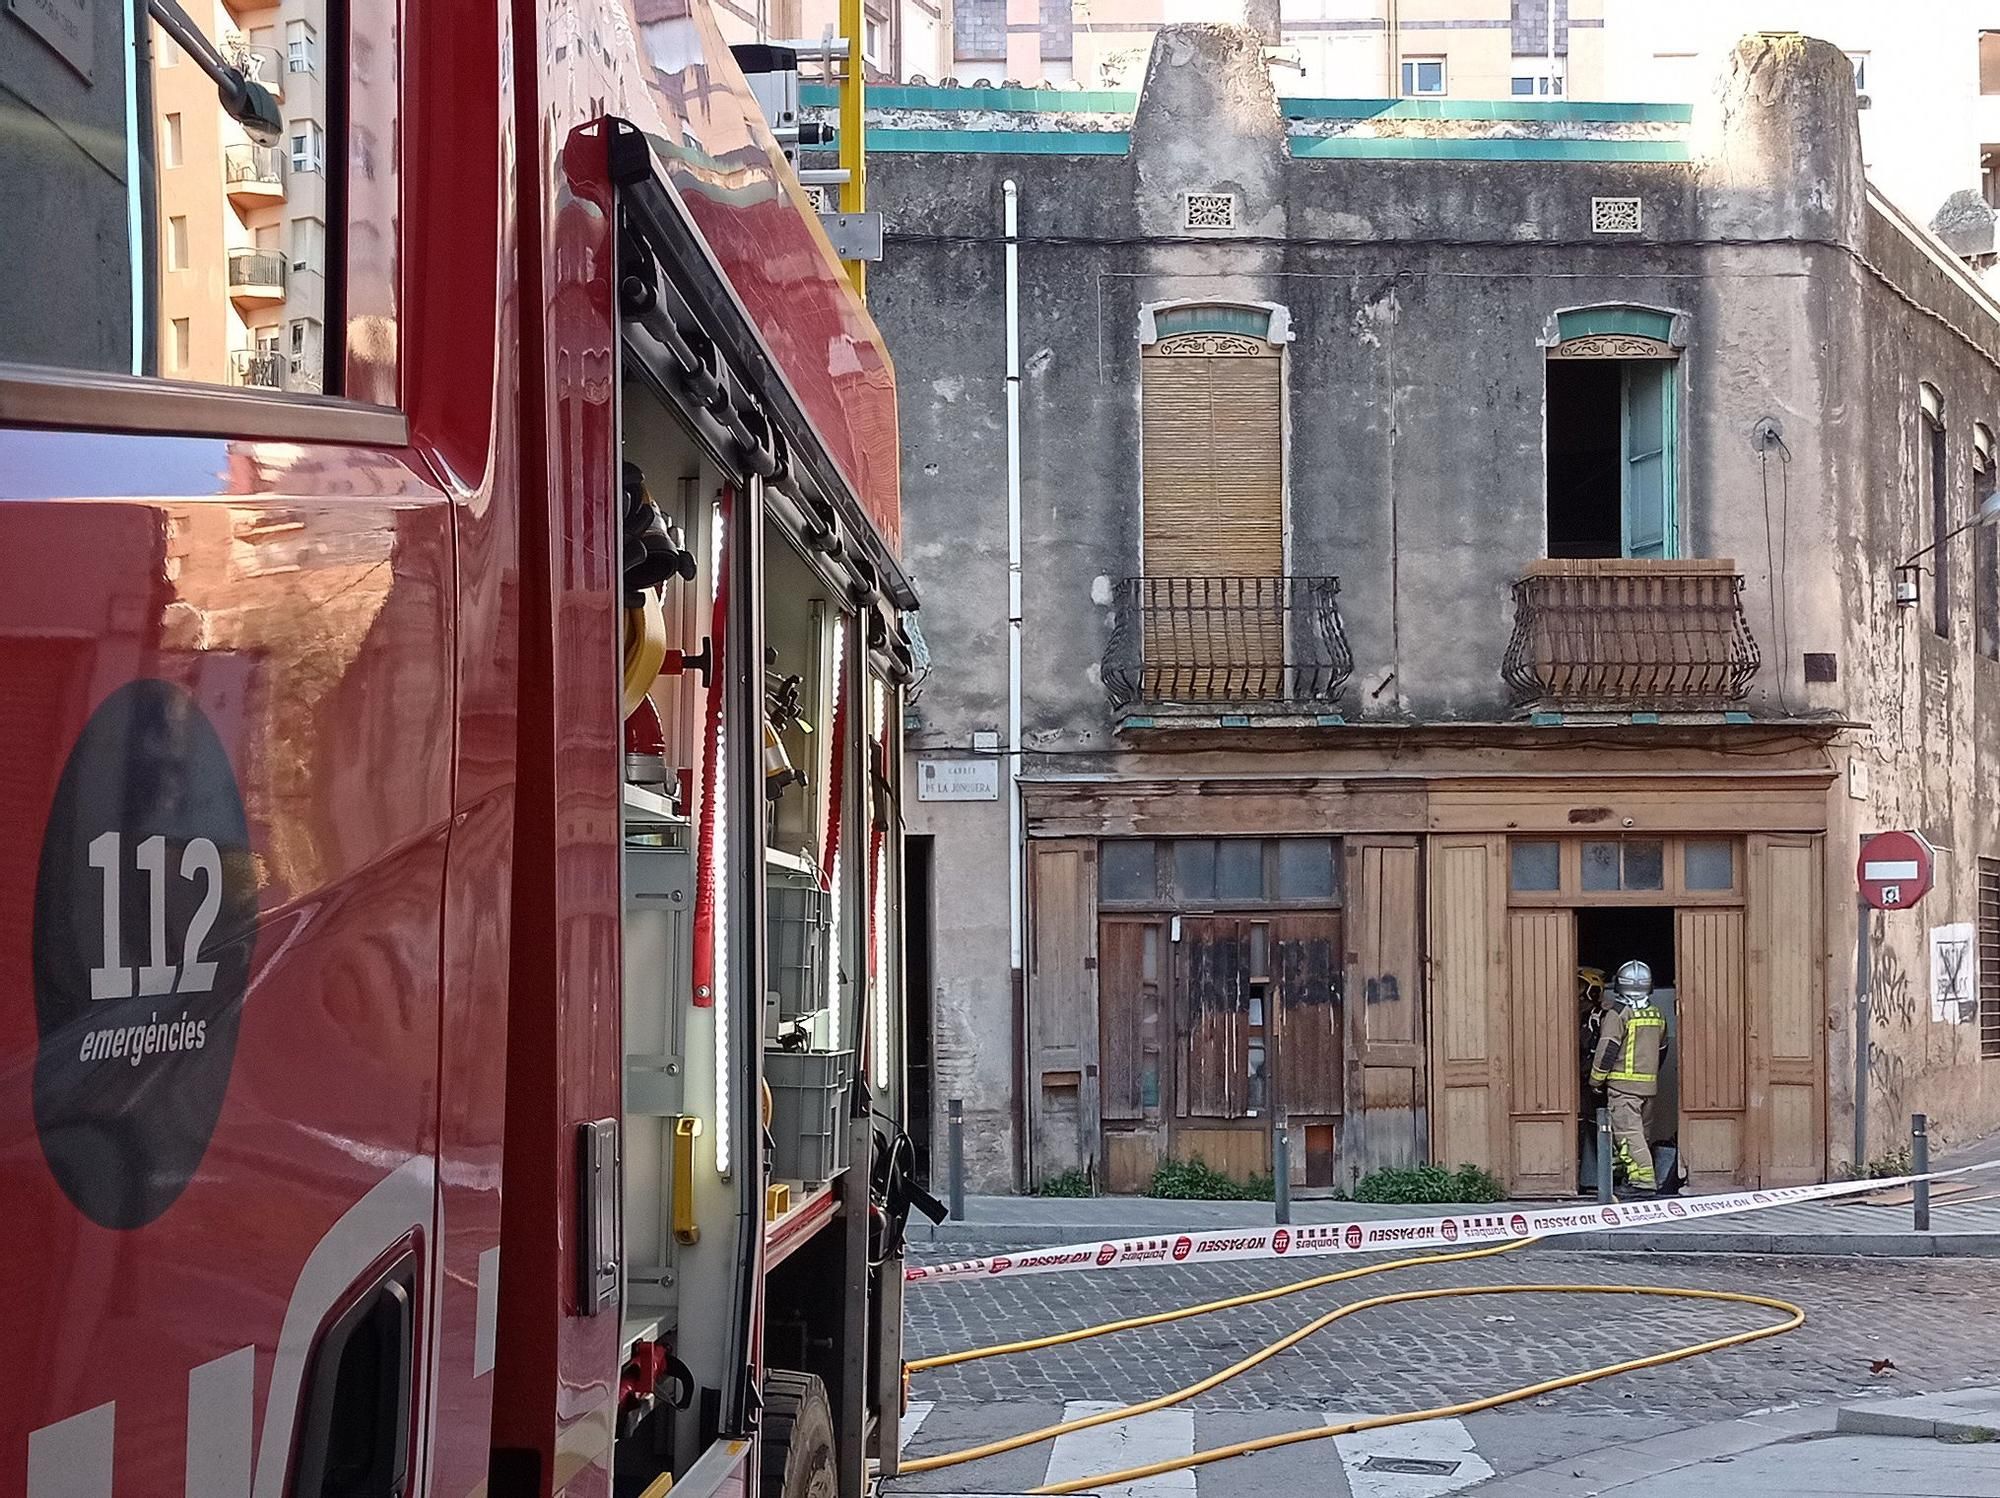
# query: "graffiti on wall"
1892,1001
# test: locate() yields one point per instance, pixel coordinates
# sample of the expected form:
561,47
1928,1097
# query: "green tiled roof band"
1477,148
1004,142
1106,101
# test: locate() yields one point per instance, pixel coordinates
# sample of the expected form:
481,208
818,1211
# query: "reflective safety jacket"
1629,1048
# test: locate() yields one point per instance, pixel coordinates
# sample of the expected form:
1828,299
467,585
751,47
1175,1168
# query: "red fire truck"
450,658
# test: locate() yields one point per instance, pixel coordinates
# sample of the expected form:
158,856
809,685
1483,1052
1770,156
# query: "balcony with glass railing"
258,369
256,277
265,65
253,175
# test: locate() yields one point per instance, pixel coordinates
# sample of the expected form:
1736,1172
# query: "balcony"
1629,635
1240,642
256,277
259,369
253,175
265,65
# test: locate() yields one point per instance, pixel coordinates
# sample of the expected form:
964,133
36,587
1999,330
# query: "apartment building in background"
243,226
1355,49
900,38
1927,78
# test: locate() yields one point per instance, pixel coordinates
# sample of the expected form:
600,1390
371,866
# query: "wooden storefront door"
1752,1036
1222,1050
1062,1004
1387,1099
1709,1025
1258,1023
1543,1025
1308,987
1786,1063
1469,1012
1134,1048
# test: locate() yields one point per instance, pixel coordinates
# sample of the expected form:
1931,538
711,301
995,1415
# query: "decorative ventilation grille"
1211,210
1614,215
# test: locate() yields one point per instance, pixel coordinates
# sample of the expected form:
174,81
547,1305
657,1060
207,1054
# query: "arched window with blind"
1212,616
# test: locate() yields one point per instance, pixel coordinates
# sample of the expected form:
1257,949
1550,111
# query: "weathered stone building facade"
1450,546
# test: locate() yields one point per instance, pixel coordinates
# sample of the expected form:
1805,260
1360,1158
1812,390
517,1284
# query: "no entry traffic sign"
1895,869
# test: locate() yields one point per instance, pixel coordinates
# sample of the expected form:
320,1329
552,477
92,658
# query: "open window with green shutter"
1646,438
1613,435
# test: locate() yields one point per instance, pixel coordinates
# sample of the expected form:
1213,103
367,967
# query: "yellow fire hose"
1794,1318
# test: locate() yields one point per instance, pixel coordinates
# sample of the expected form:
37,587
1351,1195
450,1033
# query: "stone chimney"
1208,122
1778,145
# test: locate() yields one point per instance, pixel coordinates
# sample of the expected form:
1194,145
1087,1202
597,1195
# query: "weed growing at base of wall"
1197,1180
1428,1185
1069,1183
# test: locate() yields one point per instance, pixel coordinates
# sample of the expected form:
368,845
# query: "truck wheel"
798,1438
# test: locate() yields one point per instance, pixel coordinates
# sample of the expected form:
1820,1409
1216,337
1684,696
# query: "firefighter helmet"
1634,983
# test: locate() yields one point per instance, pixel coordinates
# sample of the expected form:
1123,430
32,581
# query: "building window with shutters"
1937,496
1989,958
1613,450
1985,548
1211,595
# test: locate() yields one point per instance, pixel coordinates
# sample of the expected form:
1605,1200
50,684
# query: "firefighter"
1626,1065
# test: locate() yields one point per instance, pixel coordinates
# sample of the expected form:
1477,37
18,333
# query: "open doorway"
917,855
1611,439
1584,458
1607,937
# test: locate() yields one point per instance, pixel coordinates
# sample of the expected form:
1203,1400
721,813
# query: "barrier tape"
1360,1236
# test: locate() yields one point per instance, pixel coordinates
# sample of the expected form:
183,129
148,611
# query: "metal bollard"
1920,1164
1604,1154
1281,1173
955,1127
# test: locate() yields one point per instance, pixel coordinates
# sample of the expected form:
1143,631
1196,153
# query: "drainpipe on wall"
1550,14
1392,45
1015,894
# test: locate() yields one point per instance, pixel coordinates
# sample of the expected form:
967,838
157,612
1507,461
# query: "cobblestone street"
1936,1321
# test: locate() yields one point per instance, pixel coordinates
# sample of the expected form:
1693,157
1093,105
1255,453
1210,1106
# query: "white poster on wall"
1954,974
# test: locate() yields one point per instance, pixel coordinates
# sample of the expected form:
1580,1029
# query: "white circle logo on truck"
145,913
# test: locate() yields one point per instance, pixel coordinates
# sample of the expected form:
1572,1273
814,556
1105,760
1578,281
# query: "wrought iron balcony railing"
1626,634
1243,641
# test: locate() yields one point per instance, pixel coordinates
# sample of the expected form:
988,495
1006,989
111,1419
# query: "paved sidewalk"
1932,1446
1969,1415
1969,1227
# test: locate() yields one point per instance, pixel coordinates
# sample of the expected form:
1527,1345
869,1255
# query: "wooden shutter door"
1544,1026
1787,1031
1468,975
1128,996
1647,426
1134,1047
1709,1028
1306,1003
1212,1017
1387,1110
1062,1003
